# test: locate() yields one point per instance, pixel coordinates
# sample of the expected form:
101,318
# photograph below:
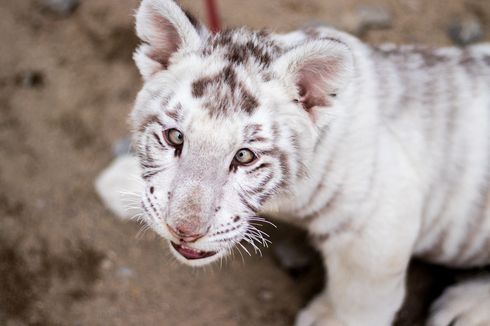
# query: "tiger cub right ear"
164,29
318,70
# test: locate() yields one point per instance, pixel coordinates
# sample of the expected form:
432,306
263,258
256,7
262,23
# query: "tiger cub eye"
175,137
244,156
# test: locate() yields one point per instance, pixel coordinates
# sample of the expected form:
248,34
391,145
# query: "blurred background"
67,84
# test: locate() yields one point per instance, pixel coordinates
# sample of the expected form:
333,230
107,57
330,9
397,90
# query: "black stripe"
158,140
261,166
247,203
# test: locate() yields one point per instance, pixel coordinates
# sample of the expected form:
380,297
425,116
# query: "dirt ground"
66,87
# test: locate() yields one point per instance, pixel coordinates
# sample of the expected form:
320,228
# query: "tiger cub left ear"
164,29
318,70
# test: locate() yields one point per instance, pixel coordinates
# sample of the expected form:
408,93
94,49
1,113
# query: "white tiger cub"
382,153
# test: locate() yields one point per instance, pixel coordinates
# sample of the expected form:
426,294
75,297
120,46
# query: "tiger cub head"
223,124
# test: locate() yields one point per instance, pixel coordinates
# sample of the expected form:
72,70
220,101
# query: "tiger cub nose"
185,233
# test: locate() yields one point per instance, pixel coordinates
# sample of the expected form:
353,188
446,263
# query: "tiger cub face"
223,124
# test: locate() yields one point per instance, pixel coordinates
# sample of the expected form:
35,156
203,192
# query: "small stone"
374,16
40,203
125,272
266,295
31,79
106,264
122,146
464,31
293,257
367,17
61,8
412,5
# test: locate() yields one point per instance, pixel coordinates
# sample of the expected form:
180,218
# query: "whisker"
240,252
256,238
252,243
142,232
139,217
128,193
260,234
243,247
258,230
260,219
137,178
129,207
261,239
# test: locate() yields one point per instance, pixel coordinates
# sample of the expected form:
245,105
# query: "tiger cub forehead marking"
242,46
224,93
240,50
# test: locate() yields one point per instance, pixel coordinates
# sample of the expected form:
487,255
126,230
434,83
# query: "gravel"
61,8
464,31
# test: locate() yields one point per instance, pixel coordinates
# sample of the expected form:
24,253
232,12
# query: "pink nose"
185,233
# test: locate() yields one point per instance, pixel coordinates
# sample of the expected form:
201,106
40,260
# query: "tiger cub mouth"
190,253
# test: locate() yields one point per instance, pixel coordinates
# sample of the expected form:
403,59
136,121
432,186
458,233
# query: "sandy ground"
66,87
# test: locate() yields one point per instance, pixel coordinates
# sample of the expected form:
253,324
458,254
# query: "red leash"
213,17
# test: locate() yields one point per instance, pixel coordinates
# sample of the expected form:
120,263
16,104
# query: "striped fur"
382,153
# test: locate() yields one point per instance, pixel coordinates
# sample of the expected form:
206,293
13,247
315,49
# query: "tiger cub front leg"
365,278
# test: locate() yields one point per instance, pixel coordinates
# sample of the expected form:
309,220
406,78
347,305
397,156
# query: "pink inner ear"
314,81
165,42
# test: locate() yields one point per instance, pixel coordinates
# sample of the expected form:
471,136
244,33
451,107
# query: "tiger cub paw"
465,304
317,313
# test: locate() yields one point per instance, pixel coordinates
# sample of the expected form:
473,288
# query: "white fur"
466,304
401,153
119,186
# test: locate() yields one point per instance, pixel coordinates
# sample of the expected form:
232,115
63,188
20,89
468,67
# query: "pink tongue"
191,254
188,253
